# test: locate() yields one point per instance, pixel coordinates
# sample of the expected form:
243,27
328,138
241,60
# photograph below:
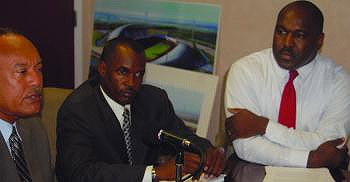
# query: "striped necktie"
18,156
127,134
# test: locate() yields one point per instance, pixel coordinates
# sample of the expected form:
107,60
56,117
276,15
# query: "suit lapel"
138,130
7,167
114,131
27,143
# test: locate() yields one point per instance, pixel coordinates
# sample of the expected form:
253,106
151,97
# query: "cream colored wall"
246,27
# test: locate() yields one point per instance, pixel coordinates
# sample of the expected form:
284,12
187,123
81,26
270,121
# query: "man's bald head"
310,10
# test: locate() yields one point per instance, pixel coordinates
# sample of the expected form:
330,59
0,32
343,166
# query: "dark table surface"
243,171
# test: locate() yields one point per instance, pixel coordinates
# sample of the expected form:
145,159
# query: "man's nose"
289,40
35,78
131,80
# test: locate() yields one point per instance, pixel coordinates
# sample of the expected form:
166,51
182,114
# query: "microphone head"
160,134
177,142
150,136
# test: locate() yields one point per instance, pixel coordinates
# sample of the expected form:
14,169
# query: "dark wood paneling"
50,25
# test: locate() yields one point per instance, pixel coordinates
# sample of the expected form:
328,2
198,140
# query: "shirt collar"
6,129
116,107
303,71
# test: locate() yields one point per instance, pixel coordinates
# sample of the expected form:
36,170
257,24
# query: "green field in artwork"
156,50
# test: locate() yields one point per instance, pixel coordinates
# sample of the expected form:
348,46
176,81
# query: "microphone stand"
179,162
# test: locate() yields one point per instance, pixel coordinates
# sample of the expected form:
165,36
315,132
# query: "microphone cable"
199,168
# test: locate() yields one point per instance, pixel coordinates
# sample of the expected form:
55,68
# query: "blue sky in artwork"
156,10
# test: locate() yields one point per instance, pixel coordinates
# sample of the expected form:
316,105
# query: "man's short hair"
311,8
7,30
109,49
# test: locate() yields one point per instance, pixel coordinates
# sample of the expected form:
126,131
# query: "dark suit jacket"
36,153
90,143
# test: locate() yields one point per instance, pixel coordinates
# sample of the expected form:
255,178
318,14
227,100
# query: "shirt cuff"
298,158
147,177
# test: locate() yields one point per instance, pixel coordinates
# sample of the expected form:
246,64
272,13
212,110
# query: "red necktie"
287,114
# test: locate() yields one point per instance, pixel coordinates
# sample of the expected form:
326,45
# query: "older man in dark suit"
24,150
96,140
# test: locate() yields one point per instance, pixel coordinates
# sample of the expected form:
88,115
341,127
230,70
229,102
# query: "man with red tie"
290,106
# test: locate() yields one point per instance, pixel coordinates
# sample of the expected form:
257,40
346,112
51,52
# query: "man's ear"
102,68
320,41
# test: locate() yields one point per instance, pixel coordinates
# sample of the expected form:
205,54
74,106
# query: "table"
238,170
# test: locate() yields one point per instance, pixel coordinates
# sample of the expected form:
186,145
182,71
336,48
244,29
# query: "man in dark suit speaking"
24,146
106,127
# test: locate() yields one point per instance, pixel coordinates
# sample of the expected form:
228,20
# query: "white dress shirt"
118,112
256,82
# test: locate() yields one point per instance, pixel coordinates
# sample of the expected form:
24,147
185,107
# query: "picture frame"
169,34
191,93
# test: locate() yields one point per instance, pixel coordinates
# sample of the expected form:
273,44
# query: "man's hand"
166,171
214,161
328,155
213,164
244,124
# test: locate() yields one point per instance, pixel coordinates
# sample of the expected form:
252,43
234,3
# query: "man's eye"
300,35
21,71
281,32
39,68
122,71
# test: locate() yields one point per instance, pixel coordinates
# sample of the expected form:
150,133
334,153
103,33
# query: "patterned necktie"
18,156
127,134
287,113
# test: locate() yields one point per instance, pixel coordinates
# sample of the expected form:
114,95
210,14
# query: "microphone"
177,141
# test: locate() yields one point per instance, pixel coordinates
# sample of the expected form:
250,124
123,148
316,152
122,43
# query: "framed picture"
192,94
176,34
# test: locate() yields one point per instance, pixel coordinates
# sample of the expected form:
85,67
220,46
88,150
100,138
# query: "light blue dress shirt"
6,130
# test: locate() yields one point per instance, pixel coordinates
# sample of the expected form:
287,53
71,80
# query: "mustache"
129,89
288,50
36,91
133,91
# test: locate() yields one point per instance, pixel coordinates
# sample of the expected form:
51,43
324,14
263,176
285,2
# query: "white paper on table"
205,179
289,174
